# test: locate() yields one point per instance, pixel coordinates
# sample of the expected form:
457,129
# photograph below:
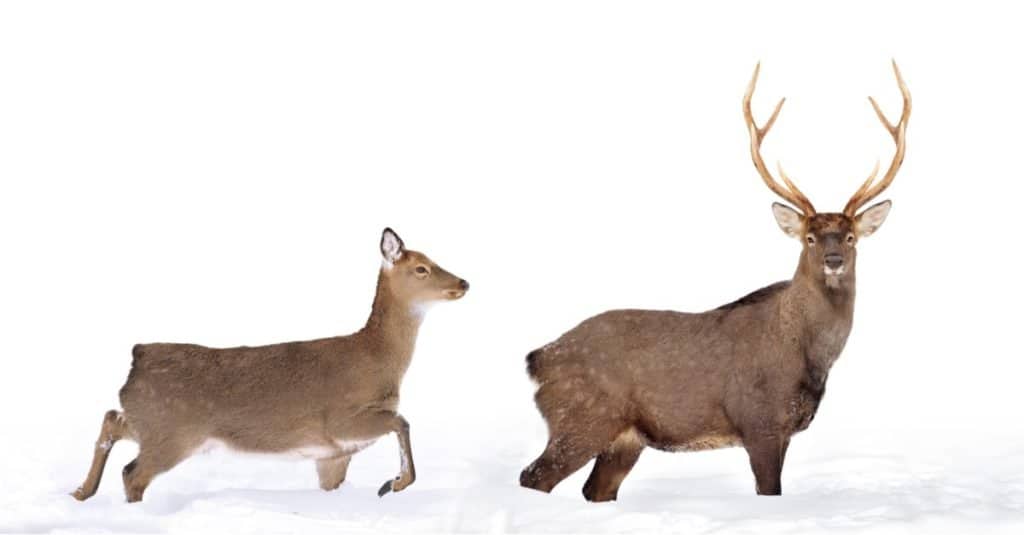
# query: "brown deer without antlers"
750,373
322,399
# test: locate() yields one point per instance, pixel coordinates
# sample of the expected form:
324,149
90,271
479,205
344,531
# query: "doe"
323,399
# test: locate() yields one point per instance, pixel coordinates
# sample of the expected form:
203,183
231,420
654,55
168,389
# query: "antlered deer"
750,373
323,399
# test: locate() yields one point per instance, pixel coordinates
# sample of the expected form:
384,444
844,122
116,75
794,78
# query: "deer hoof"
395,485
384,489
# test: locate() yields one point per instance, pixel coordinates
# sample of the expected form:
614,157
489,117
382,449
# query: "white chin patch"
835,272
420,309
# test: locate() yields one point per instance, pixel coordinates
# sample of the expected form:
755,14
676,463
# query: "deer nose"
833,260
463,285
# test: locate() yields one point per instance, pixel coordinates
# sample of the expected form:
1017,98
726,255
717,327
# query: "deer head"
413,278
829,239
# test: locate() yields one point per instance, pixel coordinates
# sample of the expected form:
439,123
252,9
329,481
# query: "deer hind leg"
332,471
112,430
612,466
156,456
581,424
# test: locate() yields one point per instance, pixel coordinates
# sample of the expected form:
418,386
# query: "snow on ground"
905,482
219,173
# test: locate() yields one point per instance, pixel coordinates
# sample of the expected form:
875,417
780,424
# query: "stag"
750,373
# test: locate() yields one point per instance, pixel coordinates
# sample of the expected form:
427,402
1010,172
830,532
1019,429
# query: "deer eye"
849,238
810,239
422,270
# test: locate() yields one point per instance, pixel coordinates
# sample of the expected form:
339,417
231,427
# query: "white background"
219,173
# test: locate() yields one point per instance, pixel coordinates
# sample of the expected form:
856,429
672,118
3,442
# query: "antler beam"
867,191
789,192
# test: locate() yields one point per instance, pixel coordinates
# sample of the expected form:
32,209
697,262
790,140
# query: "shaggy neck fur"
824,310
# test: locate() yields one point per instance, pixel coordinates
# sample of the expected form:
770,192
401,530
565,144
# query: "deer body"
322,399
750,373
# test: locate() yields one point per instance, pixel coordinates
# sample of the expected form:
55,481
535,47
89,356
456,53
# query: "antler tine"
899,135
792,187
867,183
790,193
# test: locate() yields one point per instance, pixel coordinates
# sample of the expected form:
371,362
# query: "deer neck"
394,323
822,312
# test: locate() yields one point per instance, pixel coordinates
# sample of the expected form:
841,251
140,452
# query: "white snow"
910,481
220,172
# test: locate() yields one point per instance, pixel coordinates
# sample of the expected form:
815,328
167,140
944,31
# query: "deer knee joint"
401,424
128,469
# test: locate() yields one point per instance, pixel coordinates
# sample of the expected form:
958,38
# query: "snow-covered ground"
871,484
219,172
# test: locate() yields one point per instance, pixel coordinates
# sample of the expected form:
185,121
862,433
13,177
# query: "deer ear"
391,246
869,220
790,221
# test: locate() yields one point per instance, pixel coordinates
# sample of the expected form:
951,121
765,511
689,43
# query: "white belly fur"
315,451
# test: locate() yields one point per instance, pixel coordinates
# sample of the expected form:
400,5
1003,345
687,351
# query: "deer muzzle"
834,264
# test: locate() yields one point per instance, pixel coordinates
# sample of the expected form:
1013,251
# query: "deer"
324,399
748,374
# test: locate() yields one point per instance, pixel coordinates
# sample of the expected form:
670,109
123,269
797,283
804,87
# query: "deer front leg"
408,474
767,454
377,422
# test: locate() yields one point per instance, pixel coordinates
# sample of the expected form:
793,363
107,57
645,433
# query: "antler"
790,192
867,191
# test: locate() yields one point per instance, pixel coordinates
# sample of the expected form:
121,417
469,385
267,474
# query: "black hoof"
384,489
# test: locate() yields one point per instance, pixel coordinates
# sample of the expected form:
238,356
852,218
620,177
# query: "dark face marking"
830,243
